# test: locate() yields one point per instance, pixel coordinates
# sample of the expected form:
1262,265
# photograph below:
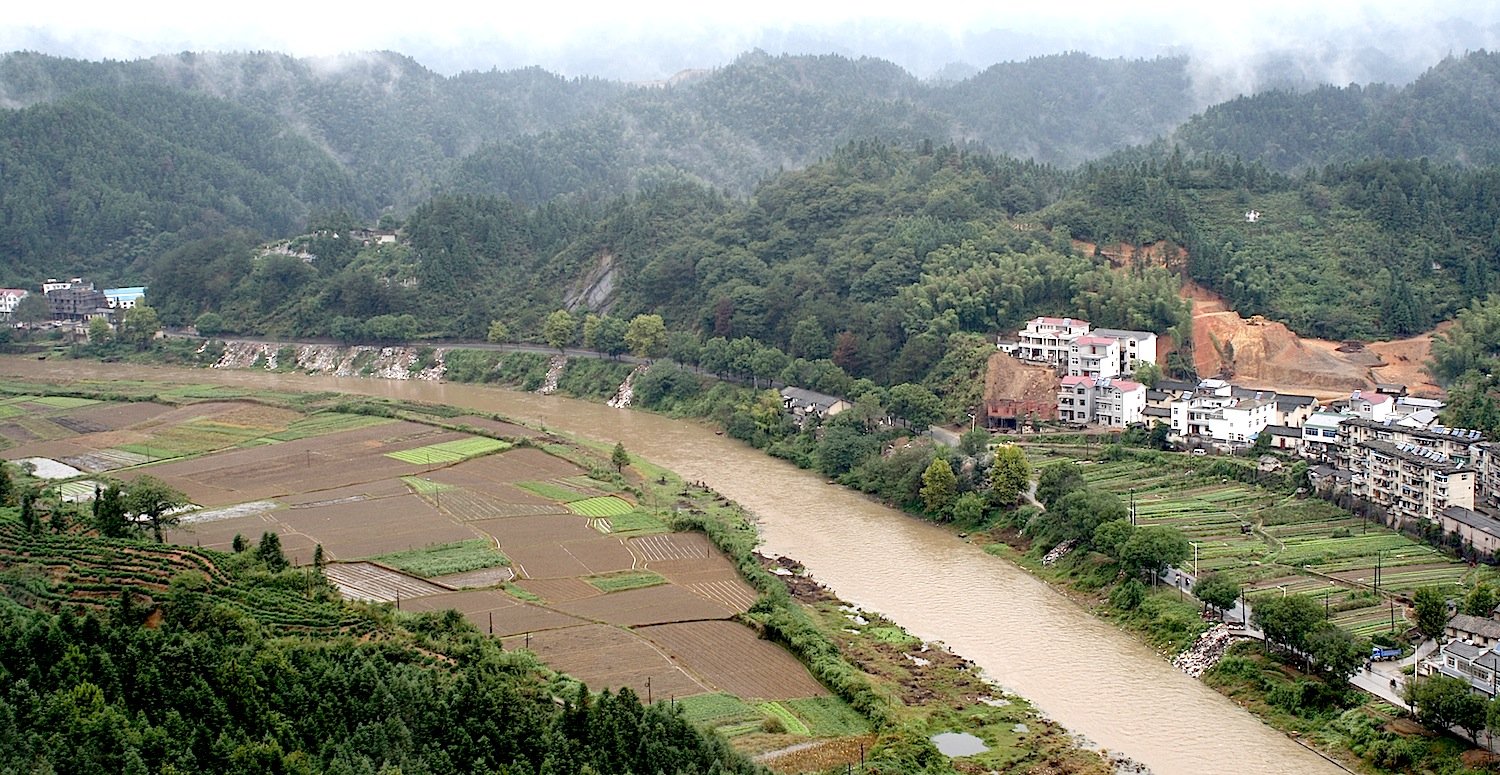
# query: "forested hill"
135,658
153,151
1451,112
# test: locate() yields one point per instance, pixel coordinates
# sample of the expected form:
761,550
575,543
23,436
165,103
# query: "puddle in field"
953,744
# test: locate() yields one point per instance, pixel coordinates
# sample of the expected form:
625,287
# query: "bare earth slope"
1262,353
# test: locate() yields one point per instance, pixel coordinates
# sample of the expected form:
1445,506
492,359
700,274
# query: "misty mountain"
107,161
1449,113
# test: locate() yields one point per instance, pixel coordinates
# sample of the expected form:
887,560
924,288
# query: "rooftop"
1432,432
1478,625
1484,523
1120,333
809,398
1095,341
1422,456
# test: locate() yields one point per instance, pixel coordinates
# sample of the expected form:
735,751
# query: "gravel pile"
1206,653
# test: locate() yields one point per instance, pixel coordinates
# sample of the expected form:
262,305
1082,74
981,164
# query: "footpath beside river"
1083,672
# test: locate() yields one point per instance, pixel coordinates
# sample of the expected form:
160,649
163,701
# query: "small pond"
959,744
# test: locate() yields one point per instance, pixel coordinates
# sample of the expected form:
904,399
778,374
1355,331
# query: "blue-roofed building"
124,298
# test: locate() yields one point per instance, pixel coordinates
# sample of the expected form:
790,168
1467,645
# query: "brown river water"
1082,672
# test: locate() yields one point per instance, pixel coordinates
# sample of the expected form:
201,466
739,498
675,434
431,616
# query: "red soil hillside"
1262,353
1018,389
1259,352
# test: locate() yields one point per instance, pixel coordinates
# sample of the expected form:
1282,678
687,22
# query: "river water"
1080,671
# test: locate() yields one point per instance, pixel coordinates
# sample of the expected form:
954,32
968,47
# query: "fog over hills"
1234,48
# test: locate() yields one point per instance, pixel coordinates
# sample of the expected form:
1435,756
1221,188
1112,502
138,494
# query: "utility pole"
1132,507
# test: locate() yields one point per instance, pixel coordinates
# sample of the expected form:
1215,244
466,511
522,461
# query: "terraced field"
1270,541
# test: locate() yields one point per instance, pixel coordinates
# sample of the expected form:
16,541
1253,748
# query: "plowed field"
731,658
652,605
606,657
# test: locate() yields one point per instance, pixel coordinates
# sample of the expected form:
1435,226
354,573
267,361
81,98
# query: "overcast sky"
653,39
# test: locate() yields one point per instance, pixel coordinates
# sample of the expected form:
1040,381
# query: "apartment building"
1114,403
1059,341
1092,356
1408,481
1047,339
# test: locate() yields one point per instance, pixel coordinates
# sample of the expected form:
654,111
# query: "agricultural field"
525,544
1271,541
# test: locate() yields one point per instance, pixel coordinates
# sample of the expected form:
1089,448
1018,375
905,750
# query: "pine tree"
620,457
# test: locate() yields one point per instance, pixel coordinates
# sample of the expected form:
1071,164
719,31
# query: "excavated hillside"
1264,353
1025,388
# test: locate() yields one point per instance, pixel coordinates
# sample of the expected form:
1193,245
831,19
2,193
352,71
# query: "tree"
1146,373
1337,654
974,441
1444,701
646,336
1110,537
1009,476
558,329
151,500
619,457
1287,620
238,544
99,331
7,485
1155,548
1129,595
111,514
609,336
1217,590
1480,601
843,447
968,509
209,324
915,404
591,325
1080,512
498,333
139,326
268,552
1057,480
1431,607
31,310
808,340
318,557
939,487
29,518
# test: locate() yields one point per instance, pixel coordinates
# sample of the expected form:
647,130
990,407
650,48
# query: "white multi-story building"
1136,347
1368,405
9,298
124,298
1223,413
1094,356
1051,340
1116,403
1046,340
1320,435
1410,482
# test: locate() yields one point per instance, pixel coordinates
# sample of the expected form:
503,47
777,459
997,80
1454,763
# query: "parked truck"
1380,653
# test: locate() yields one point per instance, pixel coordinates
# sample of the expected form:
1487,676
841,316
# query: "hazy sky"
642,40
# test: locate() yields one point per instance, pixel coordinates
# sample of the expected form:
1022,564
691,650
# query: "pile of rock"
1060,551
1206,653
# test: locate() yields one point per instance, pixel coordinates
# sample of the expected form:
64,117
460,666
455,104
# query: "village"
68,304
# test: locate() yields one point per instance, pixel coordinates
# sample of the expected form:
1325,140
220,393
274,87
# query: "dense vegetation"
604,198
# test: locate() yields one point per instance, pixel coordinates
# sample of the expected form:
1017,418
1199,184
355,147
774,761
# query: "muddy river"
1093,679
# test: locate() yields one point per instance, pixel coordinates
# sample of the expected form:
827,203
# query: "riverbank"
1088,677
